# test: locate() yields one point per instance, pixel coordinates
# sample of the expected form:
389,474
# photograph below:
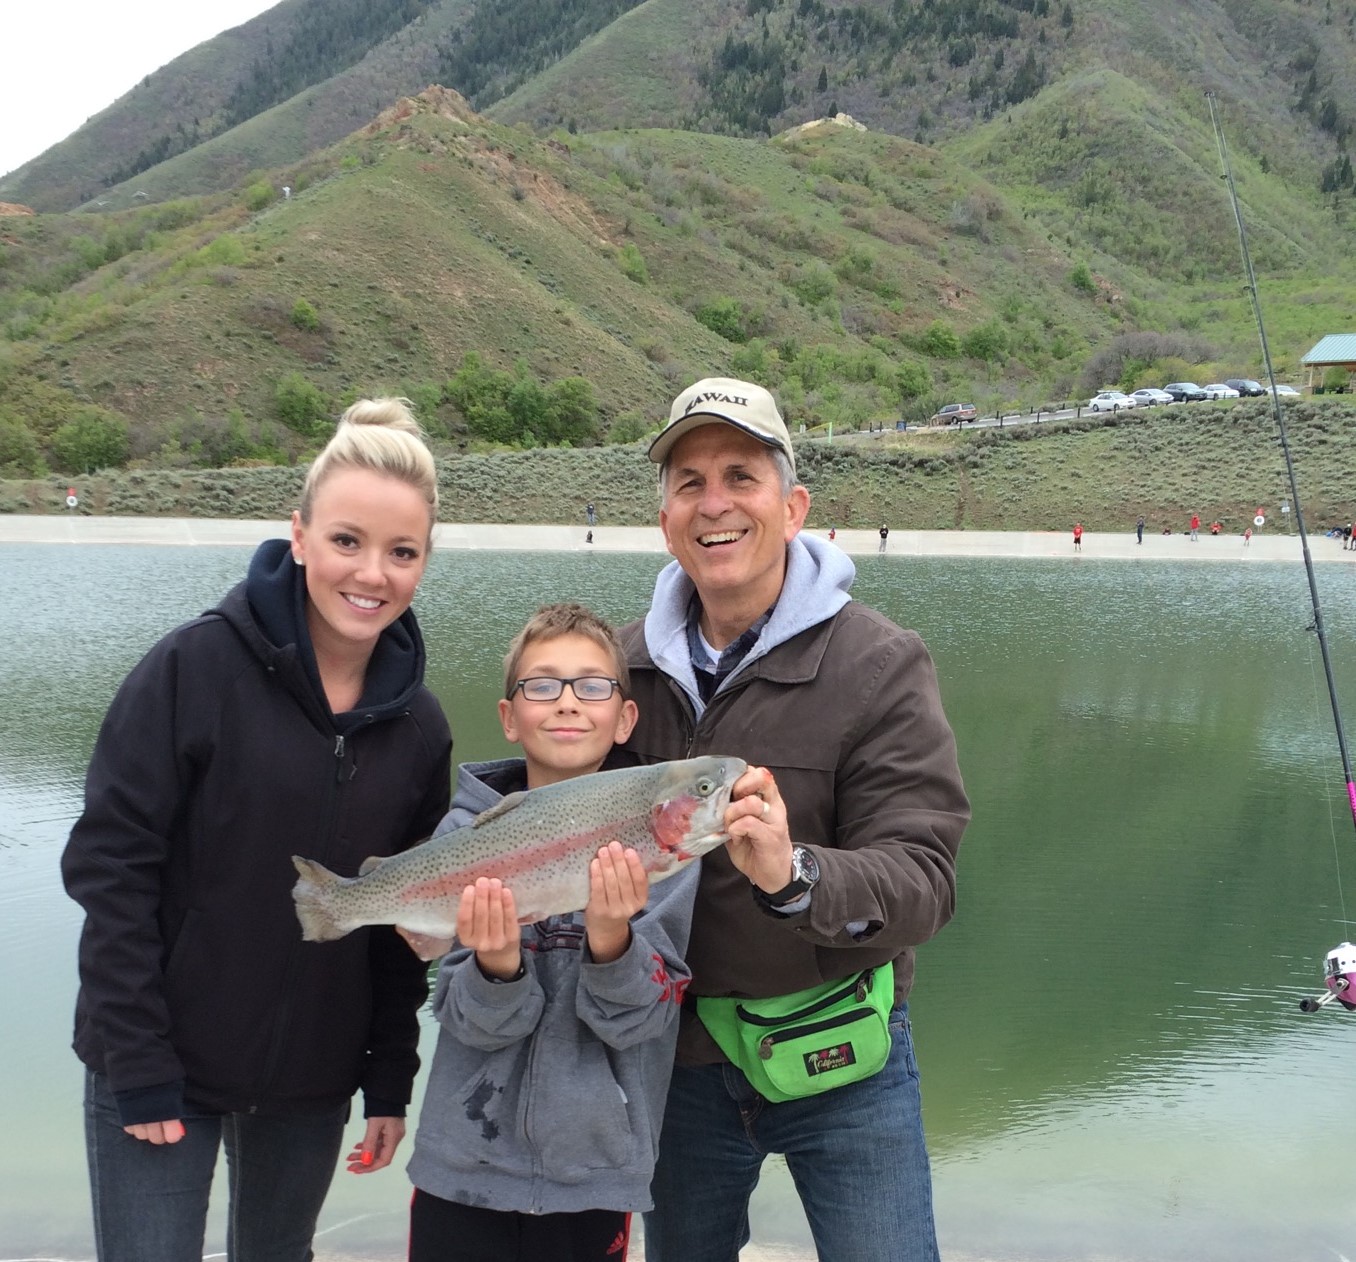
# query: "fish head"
688,815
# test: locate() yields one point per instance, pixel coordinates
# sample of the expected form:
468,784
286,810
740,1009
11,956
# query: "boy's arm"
485,996
481,1012
638,995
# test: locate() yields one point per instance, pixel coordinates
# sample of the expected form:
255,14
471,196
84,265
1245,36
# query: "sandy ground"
1267,545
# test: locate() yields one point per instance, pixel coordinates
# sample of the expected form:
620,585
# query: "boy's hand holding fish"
618,890
487,917
487,923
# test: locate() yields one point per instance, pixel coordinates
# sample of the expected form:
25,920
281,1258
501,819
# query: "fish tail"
314,896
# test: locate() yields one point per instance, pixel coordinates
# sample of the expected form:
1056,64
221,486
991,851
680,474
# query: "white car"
1110,401
1150,397
1218,390
1286,392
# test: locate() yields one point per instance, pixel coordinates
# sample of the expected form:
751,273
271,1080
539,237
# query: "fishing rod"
1340,963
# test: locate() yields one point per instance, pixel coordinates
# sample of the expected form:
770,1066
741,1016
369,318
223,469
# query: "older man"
844,834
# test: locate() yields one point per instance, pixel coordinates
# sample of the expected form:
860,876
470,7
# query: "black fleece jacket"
217,761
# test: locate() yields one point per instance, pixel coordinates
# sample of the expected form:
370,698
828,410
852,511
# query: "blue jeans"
856,1155
150,1200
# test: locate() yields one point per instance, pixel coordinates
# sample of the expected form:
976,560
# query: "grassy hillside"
849,270
211,115
1220,460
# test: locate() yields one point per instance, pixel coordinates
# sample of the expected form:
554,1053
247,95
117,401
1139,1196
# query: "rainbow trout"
539,843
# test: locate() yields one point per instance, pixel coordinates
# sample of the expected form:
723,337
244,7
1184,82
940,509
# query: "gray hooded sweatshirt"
547,1092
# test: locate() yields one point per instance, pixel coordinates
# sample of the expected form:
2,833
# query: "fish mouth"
715,538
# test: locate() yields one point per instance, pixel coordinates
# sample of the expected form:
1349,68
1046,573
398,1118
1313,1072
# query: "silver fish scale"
539,843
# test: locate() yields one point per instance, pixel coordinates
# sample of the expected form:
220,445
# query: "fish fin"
370,864
314,897
501,807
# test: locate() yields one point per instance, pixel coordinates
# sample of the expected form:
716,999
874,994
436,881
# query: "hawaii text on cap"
738,403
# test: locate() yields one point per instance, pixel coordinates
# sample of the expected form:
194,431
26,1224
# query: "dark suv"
1184,391
1246,386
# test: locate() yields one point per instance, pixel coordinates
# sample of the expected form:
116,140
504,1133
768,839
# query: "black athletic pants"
443,1231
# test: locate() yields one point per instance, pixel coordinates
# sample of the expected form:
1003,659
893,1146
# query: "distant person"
1078,536
1167,530
1346,535
590,514
1139,528
1247,536
1216,527
290,718
884,535
1195,524
540,1121
588,537
833,534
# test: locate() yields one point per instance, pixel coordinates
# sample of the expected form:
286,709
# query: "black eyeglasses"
549,688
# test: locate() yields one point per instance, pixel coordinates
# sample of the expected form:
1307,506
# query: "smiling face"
365,549
565,737
727,521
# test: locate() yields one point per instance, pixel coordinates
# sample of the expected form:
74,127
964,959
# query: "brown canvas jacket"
848,717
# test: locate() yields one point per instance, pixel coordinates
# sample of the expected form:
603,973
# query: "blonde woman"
290,719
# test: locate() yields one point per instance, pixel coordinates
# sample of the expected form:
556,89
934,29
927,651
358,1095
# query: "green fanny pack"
798,1045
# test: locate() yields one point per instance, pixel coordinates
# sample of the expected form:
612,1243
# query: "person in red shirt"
1078,536
1195,524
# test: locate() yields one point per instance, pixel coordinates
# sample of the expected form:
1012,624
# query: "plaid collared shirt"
709,680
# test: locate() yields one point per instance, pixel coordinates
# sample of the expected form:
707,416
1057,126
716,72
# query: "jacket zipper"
286,1005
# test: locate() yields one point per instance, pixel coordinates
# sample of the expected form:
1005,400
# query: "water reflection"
1114,1065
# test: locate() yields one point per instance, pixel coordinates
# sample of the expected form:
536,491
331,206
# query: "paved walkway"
189,531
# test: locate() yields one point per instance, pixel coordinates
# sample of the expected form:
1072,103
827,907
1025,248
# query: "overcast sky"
65,60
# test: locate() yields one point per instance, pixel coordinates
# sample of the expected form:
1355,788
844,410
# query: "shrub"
300,404
94,439
19,455
940,341
725,318
304,316
1081,279
632,264
259,195
913,381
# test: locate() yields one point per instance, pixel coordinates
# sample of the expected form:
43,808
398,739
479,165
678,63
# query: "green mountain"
1023,206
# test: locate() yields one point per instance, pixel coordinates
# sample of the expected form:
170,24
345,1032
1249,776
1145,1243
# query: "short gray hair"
786,474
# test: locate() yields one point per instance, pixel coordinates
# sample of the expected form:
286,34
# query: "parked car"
1286,392
1110,401
1218,390
1150,396
1246,386
954,414
1185,391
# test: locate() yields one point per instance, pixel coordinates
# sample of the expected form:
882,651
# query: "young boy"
541,1116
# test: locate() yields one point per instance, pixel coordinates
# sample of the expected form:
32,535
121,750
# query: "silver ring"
767,809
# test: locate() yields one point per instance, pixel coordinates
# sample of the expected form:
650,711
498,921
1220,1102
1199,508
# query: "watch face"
804,866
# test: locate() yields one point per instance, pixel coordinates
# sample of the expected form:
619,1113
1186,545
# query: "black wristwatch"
804,875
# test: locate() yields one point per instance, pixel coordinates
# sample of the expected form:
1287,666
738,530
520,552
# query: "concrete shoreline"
1267,545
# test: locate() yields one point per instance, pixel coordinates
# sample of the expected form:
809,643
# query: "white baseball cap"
739,403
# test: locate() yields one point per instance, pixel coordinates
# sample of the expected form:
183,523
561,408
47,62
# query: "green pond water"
1114,1064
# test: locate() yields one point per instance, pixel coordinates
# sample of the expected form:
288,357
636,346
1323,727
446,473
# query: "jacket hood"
818,580
268,612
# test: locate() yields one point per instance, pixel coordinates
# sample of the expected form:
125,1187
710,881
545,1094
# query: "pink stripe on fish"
518,863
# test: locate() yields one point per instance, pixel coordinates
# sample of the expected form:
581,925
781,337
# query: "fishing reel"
1339,971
